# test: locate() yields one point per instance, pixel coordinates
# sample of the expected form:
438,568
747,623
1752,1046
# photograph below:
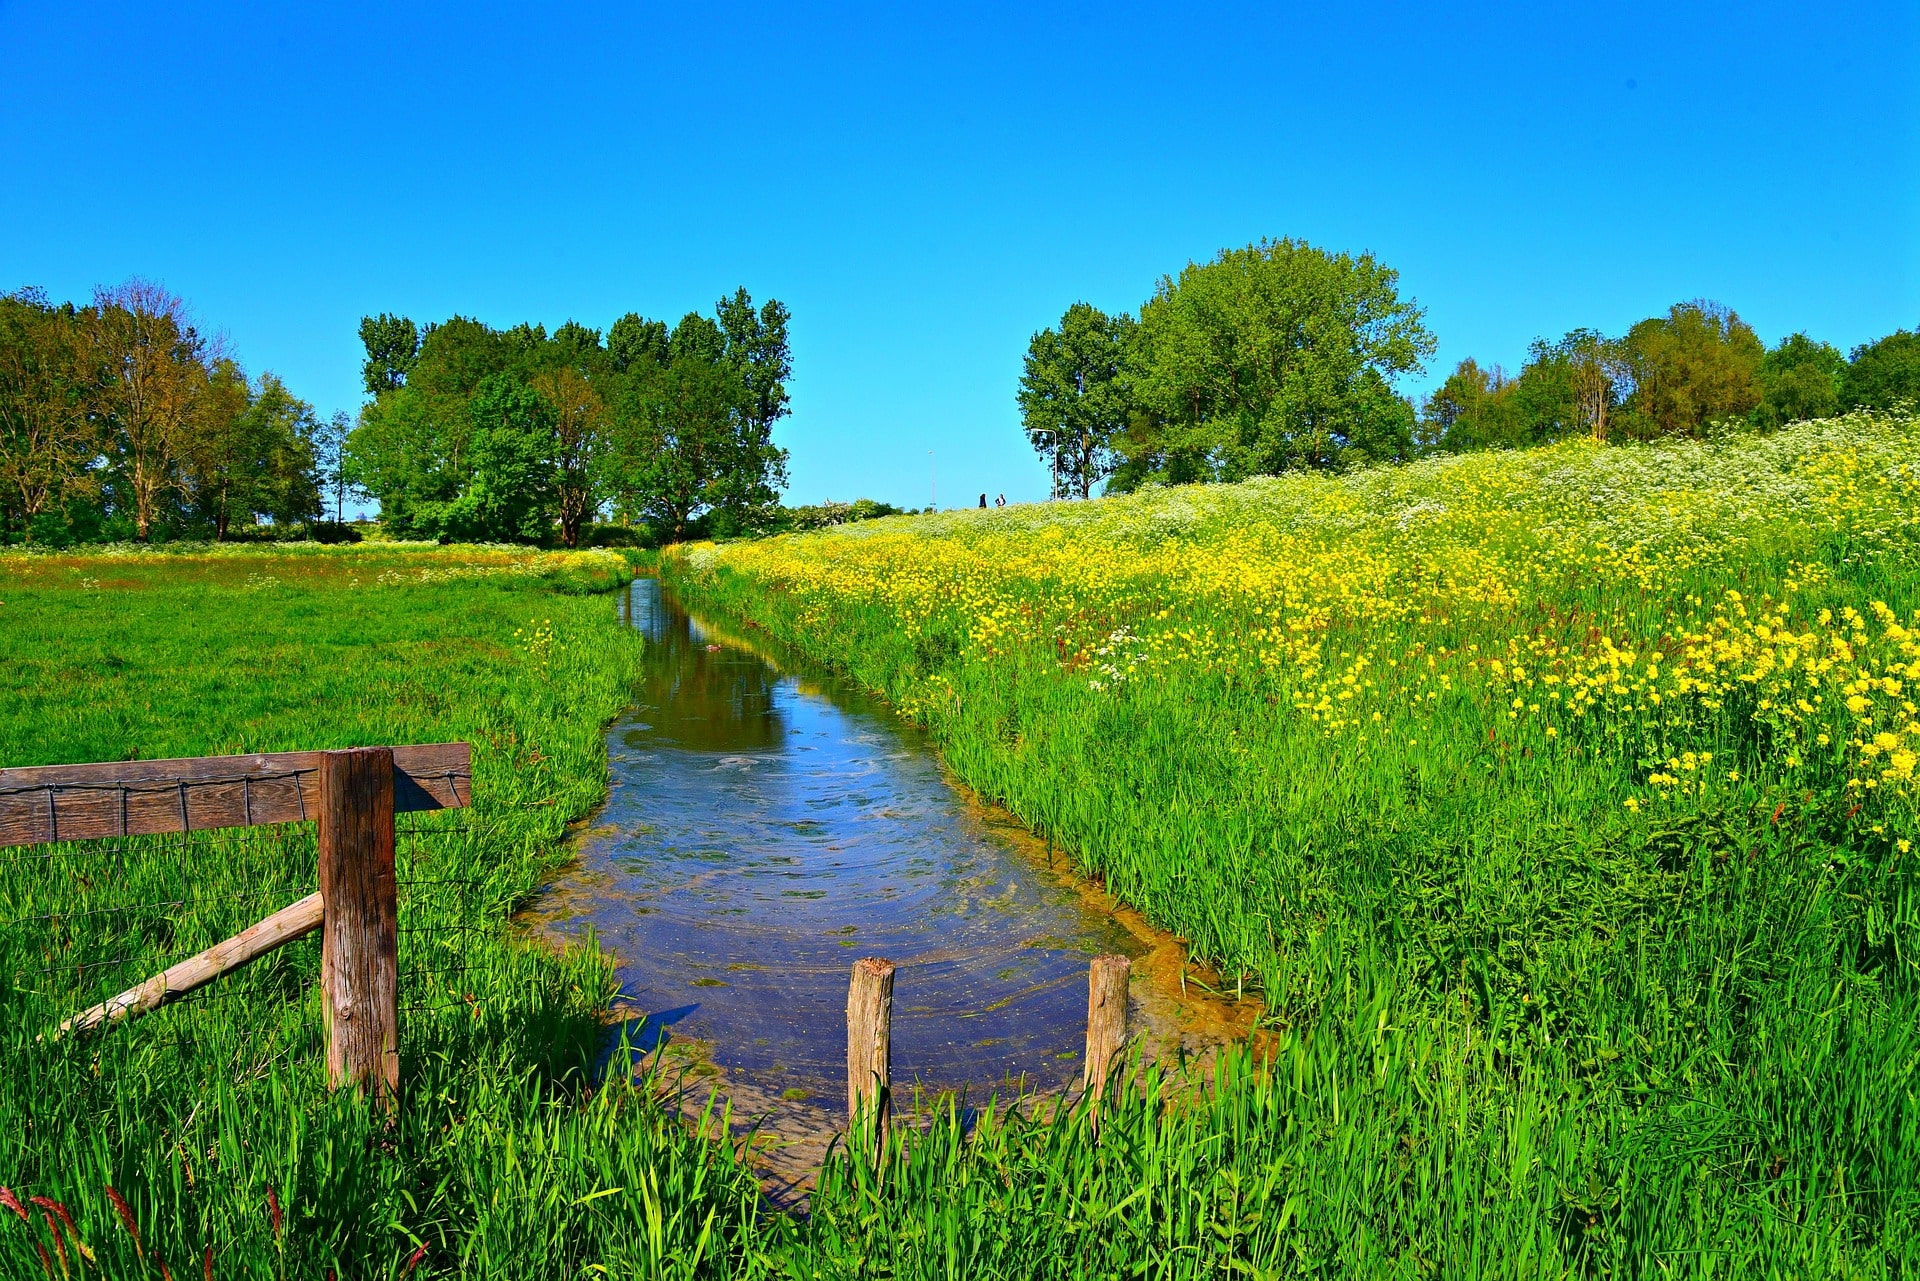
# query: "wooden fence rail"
352,795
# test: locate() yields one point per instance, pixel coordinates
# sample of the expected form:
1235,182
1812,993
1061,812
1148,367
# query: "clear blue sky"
926,189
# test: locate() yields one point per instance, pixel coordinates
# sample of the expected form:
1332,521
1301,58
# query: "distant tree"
580,423
329,445
1074,397
1475,408
252,452
1698,364
692,431
1799,379
153,365
1884,373
1272,357
410,458
510,496
392,344
635,344
48,441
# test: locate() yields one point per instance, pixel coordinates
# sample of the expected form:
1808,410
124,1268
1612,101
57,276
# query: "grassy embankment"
1560,805
502,1156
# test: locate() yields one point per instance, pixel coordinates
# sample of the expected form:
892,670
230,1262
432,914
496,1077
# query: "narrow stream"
769,823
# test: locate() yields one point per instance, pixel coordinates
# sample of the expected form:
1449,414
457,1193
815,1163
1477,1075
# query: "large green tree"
49,442
693,431
1697,365
476,432
1276,356
1884,373
1799,379
1075,396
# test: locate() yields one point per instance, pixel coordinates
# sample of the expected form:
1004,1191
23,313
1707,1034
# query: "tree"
1272,357
580,421
1473,409
48,441
153,372
693,434
757,351
510,496
1799,379
1075,399
330,453
393,345
1884,373
1698,364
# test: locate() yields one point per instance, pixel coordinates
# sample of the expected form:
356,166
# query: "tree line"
1282,356
481,434
121,419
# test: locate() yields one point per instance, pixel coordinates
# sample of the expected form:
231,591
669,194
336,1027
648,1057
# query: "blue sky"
925,189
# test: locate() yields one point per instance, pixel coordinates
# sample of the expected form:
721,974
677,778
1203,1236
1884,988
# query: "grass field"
1559,805
193,1115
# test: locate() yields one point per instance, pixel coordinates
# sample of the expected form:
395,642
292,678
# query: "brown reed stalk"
121,1208
59,1242
12,1202
414,1261
85,1252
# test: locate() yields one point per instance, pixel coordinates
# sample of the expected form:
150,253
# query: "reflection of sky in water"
761,837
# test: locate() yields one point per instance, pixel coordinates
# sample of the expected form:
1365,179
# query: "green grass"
502,1156
1540,1011
1518,1027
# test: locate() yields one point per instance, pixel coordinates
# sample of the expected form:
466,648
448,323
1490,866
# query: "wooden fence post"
359,949
870,1044
1106,1018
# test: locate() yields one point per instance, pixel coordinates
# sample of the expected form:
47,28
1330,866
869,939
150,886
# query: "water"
768,825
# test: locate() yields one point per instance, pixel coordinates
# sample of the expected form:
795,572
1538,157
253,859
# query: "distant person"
1000,501
983,502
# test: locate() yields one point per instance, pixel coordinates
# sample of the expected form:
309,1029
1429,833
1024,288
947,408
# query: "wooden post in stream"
1106,1018
359,947
870,1045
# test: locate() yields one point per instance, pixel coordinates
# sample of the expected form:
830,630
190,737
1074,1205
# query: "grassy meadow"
1558,804
499,1160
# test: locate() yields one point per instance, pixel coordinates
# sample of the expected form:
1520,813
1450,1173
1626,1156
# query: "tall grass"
1559,804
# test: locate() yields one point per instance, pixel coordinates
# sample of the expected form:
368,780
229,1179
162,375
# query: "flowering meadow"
1566,796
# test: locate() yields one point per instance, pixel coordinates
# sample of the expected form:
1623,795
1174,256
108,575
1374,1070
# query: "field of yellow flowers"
1596,764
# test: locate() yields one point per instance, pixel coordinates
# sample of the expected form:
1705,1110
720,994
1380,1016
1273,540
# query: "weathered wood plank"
284,926
359,939
45,803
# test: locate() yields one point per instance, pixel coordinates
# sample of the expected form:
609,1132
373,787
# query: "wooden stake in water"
359,938
870,1042
1106,1018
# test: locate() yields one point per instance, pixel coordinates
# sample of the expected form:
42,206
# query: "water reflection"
763,832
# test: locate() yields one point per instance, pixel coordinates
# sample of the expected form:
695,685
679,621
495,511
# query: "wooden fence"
351,796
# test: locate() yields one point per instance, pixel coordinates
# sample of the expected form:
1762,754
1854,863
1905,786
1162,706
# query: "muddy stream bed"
769,823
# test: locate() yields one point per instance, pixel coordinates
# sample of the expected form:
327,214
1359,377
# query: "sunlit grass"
1559,801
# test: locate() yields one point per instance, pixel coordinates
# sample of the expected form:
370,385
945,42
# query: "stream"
768,823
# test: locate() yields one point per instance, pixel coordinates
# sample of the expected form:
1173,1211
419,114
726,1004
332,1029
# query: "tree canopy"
486,434
1699,368
121,419
1272,357
1074,397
